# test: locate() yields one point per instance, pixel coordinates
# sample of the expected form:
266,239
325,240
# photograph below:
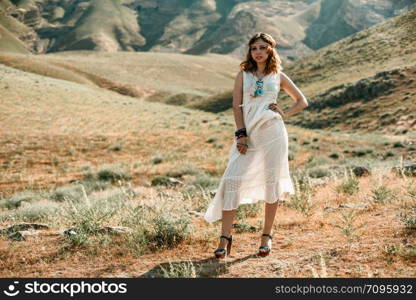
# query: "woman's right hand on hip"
242,144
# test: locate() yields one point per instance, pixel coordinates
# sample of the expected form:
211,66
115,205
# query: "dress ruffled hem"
269,192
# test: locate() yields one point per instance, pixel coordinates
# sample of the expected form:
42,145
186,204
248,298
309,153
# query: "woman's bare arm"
237,100
293,91
238,111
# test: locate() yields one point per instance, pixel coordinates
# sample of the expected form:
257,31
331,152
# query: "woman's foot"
266,244
224,247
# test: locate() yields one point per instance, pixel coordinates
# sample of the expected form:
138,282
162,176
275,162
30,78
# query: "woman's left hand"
275,108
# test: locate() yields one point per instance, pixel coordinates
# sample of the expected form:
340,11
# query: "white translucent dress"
263,172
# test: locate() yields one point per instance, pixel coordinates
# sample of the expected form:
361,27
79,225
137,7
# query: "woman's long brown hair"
273,62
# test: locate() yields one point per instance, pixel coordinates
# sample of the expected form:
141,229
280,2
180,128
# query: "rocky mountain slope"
186,26
365,82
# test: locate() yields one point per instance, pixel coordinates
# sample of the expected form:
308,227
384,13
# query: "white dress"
263,172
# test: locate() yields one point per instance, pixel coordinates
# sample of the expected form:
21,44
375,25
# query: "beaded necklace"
259,87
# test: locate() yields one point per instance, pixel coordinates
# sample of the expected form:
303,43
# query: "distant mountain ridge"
186,26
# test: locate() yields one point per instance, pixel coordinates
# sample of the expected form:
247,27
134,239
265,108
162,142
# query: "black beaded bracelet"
241,131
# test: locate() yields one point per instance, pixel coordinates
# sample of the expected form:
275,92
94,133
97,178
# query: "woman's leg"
227,223
270,214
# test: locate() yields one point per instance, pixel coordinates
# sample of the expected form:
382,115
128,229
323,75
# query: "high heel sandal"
221,252
265,250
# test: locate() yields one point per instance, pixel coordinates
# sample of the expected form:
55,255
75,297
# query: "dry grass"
56,131
53,142
302,246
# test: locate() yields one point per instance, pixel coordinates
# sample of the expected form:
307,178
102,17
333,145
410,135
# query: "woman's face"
259,51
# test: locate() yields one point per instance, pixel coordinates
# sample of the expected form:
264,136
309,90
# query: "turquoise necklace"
259,87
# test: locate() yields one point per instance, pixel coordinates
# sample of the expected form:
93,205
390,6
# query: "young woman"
258,167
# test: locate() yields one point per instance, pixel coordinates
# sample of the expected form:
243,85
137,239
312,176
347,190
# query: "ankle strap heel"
221,252
265,250
230,239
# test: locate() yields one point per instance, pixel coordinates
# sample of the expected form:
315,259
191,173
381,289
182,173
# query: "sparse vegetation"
408,217
157,160
113,174
170,230
180,270
349,184
82,158
318,173
43,211
244,226
382,194
302,199
245,211
89,216
16,200
334,155
347,225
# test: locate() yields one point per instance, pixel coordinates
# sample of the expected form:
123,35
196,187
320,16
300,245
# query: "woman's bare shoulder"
239,75
284,78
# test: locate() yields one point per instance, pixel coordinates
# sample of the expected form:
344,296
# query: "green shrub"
248,210
157,160
244,226
113,174
187,170
316,160
16,200
72,192
408,217
334,155
319,173
211,140
89,216
302,199
117,147
161,180
138,218
359,152
347,226
382,194
204,180
75,192
170,230
180,270
32,212
349,185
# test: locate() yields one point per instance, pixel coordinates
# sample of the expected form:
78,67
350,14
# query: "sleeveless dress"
263,172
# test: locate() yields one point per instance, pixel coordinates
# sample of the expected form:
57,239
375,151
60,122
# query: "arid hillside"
363,83
164,77
106,185
188,26
108,162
